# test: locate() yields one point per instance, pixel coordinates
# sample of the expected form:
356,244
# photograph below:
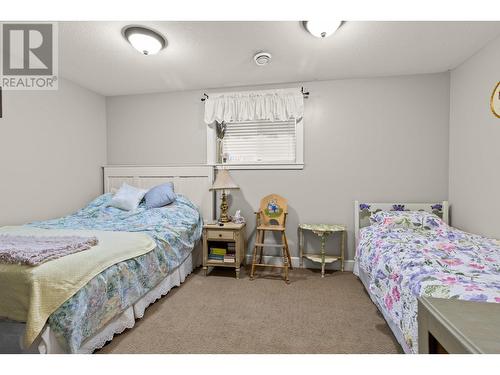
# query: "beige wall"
475,144
52,145
381,139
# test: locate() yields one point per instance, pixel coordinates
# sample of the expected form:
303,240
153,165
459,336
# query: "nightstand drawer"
220,234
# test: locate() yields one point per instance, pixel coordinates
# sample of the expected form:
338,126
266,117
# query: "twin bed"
404,251
75,304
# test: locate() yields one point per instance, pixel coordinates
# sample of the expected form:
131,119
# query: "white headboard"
192,181
363,211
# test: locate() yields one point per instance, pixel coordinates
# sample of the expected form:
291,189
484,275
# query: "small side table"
322,231
223,236
457,327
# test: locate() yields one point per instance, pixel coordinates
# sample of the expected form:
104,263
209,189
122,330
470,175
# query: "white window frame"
299,152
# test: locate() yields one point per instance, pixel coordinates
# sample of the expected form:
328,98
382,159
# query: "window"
259,142
259,145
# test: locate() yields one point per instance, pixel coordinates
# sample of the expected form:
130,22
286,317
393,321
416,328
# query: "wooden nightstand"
224,246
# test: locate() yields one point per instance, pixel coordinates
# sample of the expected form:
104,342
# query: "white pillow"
127,197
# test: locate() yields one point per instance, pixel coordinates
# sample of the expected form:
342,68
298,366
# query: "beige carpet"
219,314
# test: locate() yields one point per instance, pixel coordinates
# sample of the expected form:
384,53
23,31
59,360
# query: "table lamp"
223,182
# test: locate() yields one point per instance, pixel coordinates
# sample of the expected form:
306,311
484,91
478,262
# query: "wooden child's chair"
271,217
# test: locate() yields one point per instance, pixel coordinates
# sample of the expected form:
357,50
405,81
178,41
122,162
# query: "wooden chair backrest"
273,210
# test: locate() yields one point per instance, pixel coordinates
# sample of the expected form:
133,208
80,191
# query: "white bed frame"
194,182
389,206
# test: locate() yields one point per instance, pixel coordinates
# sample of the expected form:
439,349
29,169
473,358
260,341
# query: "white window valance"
271,105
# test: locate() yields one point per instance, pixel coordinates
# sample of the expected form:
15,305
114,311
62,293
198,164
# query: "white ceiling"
203,55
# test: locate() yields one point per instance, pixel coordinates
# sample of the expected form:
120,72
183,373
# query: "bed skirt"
11,333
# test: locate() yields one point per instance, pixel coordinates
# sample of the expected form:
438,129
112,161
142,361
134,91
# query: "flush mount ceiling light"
262,58
146,41
321,29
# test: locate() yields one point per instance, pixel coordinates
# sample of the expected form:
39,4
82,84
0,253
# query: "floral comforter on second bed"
176,229
443,262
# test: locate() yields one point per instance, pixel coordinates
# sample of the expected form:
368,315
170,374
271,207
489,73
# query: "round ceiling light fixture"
262,58
144,40
321,29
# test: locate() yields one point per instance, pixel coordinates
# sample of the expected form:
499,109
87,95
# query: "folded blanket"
35,250
30,294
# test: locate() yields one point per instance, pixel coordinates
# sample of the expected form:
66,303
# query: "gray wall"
52,145
381,139
156,129
475,144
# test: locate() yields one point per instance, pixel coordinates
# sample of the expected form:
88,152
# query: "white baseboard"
272,259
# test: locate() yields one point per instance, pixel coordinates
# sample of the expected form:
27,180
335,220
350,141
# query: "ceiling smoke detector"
262,58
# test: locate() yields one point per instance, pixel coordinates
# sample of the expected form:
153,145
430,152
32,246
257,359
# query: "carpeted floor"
219,314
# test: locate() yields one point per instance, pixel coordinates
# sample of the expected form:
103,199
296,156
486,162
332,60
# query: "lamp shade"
223,181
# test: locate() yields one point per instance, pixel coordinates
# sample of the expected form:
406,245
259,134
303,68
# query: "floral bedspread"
175,228
405,262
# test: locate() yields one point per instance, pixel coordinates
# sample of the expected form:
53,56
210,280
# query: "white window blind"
260,142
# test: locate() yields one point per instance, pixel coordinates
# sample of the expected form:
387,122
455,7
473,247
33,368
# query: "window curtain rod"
304,93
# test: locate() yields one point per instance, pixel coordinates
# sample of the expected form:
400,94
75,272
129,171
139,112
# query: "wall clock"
495,100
